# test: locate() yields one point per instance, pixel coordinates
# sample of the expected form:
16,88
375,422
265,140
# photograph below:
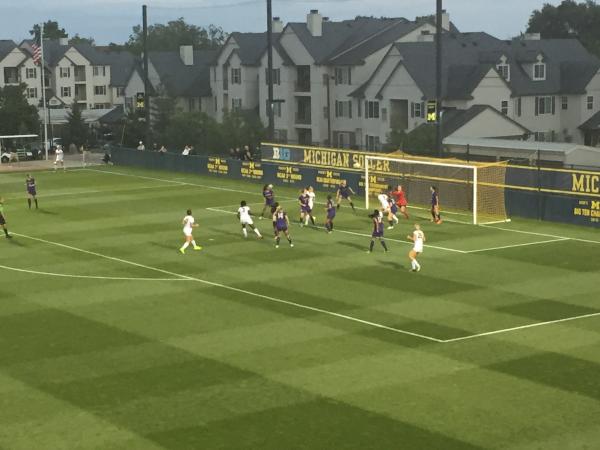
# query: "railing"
302,86
303,118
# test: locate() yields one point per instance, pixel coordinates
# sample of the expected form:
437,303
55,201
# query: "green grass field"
111,339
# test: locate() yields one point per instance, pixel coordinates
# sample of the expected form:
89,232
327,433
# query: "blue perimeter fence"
551,194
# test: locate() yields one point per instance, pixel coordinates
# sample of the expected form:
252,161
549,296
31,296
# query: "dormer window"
539,71
503,68
504,71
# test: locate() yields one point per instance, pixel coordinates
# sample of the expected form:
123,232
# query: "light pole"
438,77
270,112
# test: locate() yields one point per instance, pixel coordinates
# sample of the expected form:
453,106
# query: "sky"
111,20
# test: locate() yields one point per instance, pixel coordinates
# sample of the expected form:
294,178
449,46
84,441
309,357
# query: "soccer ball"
270,186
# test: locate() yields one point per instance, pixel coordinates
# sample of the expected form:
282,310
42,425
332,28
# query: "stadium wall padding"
556,195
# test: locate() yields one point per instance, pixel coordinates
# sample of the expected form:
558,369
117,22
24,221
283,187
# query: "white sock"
412,264
306,220
395,219
257,232
194,243
417,265
245,232
185,245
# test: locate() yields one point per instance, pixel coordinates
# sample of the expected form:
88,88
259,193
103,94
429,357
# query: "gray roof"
6,46
252,47
593,123
467,57
181,80
455,119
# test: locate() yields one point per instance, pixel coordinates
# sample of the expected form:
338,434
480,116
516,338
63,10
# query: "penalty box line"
238,290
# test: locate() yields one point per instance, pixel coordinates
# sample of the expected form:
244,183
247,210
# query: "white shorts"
187,231
418,248
247,222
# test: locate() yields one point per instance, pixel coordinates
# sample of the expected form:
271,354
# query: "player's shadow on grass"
49,213
354,245
16,242
392,265
164,245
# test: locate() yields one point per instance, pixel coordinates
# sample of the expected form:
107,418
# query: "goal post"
469,192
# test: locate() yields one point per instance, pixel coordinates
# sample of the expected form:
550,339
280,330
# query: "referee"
2,219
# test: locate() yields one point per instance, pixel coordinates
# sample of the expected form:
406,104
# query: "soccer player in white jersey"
311,203
418,238
245,217
384,201
60,158
188,225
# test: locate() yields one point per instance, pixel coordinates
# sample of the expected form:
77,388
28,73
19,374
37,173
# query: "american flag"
37,49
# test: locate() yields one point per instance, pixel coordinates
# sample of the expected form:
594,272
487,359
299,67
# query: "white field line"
98,191
91,277
533,233
522,327
337,230
517,245
241,291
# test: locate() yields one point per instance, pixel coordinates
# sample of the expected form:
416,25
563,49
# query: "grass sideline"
319,346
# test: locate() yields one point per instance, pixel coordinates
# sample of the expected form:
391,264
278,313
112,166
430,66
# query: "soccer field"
112,339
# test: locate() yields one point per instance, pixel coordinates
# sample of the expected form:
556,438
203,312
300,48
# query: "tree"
569,20
134,130
76,131
242,128
420,140
51,30
196,129
174,34
163,108
81,40
17,116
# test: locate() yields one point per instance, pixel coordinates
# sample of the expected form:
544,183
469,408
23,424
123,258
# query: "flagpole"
44,92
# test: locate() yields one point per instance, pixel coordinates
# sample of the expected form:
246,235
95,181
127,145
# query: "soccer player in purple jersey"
378,226
269,197
303,201
282,223
435,206
344,192
31,191
331,209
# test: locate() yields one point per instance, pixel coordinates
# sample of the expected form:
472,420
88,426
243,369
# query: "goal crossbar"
478,185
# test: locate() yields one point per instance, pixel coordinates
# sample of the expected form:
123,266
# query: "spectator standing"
141,146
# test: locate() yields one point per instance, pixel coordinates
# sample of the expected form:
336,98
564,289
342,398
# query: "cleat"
390,227
198,247
276,246
291,245
260,218
418,269
182,251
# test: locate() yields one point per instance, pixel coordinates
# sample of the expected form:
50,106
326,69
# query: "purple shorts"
31,191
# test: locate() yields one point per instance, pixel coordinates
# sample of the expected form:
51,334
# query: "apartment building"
16,67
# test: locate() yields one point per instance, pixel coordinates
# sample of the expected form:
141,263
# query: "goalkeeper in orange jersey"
400,196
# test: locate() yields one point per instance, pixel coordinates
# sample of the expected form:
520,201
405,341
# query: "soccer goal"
468,192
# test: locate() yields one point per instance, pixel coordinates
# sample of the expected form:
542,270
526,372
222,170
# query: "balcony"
303,118
302,86
80,74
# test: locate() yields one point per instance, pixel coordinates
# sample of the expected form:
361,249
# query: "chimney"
63,41
531,37
314,22
445,20
186,53
277,25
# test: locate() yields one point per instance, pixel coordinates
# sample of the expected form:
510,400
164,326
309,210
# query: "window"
372,142
504,71
544,105
280,135
540,136
11,75
416,109
371,110
590,102
30,72
504,107
384,114
276,76
359,108
236,104
99,71
99,90
539,71
519,107
236,75
564,102
101,106
343,109
216,104
191,104
65,72
343,75
120,91
65,91
32,93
